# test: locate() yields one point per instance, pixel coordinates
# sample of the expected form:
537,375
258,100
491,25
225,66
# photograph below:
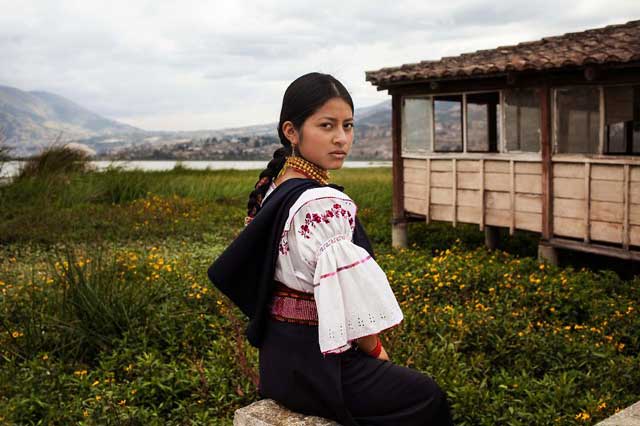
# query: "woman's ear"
290,132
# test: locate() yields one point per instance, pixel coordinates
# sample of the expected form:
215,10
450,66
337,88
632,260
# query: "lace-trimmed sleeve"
353,296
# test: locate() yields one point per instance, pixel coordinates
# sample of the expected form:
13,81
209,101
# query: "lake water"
10,168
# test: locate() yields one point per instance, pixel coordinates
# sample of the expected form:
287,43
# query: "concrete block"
630,416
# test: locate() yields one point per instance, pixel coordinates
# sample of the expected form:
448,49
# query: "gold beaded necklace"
307,168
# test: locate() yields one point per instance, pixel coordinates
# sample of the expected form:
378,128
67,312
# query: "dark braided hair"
304,96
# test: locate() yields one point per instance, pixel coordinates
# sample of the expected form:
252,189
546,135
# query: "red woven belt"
290,305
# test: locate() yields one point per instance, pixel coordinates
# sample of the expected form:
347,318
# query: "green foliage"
119,325
55,160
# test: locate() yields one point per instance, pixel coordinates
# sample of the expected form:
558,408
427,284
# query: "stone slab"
267,412
630,416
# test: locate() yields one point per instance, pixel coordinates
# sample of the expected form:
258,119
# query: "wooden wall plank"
439,212
468,181
440,179
468,214
635,174
414,205
606,211
441,196
469,166
482,202
606,231
607,172
427,200
634,196
528,168
567,227
530,184
529,203
626,192
412,175
512,196
497,182
497,200
567,208
634,214
493,166
603,190
529,221
441,165
414,190
568,187
634,237
454,185
568,170
468,197
496,217
587,201
413,163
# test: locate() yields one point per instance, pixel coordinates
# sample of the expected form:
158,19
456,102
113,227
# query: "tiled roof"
608,45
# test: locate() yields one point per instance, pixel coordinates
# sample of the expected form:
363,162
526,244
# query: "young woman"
303,271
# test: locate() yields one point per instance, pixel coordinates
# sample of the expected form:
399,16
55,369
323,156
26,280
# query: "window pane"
618,117
578,120
448,114
522,120
482,122
416,125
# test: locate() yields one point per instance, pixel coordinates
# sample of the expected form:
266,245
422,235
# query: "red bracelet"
376,351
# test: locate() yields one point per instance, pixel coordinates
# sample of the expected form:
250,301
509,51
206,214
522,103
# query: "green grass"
107,316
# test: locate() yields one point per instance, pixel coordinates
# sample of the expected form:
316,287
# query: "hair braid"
264,180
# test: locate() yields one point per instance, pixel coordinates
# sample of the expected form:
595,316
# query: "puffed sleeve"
353,296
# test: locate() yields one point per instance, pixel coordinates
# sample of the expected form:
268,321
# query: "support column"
399,234
399,221
491,237
547,253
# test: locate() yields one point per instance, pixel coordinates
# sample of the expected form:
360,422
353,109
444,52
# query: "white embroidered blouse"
316,255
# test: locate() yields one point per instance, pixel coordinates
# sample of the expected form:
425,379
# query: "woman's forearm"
367,343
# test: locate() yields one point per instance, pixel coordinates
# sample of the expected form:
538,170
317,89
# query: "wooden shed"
541,136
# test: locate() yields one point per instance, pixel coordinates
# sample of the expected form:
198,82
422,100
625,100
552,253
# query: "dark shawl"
244,271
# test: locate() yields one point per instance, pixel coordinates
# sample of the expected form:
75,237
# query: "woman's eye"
349,125
326,125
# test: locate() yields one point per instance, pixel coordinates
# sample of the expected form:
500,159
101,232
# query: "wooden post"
587,202
481,165
491,237
428,195
512,172
626,193
454,194
545,250
399,222
547,165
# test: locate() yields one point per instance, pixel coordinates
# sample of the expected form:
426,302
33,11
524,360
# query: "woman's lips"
338,154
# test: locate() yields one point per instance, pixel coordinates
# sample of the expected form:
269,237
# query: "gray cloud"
202,64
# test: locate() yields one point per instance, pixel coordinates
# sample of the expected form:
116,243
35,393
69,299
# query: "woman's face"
326,136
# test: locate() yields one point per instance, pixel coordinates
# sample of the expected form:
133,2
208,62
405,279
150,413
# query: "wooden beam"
397,166
626,193
547,166
482,206
428,195
595,249
512,191
587,202
602,124
454,194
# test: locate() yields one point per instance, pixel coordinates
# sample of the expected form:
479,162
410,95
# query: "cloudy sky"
188,65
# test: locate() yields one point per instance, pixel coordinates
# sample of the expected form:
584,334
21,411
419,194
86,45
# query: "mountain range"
31,120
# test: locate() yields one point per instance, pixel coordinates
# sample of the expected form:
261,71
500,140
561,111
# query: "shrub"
55,160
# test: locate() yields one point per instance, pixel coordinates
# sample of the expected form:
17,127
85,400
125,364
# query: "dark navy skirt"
351,388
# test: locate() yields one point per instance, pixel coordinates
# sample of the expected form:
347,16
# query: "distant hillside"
30,120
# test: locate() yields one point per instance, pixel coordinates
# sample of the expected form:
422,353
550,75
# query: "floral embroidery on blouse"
283,247
311,219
